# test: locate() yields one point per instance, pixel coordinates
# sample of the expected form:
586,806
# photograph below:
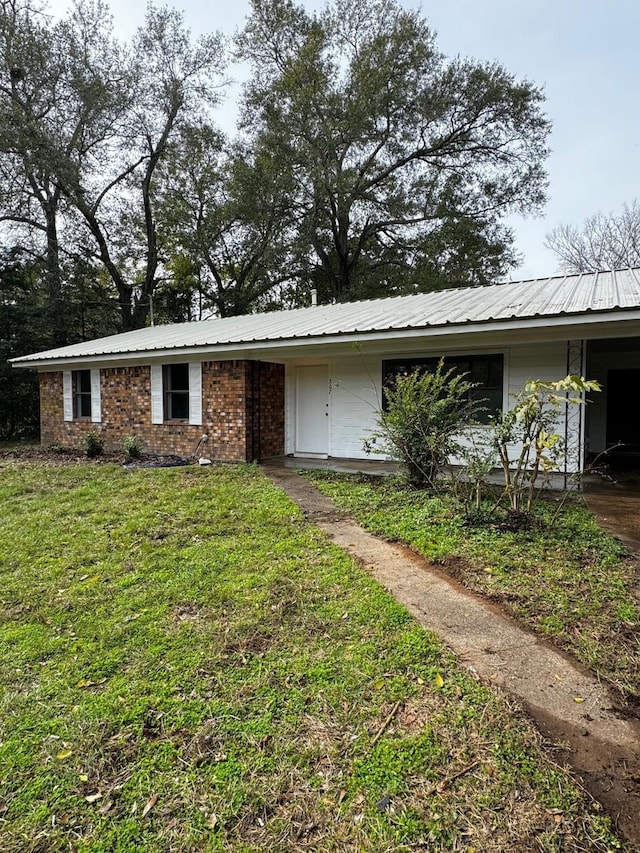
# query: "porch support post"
574,419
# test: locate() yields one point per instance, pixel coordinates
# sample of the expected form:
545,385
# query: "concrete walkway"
569,706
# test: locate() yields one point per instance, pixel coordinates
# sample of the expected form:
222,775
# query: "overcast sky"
584,54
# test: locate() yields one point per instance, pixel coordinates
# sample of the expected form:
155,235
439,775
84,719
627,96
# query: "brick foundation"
242,412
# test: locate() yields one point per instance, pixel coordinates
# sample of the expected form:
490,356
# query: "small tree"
531,425
424,414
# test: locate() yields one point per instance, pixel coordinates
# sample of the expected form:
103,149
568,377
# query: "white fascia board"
563,326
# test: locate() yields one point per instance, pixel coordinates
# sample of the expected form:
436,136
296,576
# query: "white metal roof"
553,297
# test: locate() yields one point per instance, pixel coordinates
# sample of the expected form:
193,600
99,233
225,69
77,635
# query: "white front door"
312,410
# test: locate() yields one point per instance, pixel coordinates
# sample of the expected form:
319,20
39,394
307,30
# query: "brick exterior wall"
242,412
270,409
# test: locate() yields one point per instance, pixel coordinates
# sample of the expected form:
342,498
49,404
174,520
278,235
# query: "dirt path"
603,745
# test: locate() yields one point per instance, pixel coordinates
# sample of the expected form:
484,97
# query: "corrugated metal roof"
546,297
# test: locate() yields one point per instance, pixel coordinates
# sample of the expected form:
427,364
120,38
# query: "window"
81,395
176,392
81,383
486,371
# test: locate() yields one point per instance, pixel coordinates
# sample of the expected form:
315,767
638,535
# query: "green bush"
92,443
424,414
131,446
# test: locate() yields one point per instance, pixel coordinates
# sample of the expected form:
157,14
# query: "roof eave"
247,349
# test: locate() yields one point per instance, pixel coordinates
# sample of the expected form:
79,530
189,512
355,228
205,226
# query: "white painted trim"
96,399
67,394
157,402
195,393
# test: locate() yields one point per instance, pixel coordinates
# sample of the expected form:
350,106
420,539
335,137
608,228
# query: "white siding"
355,392
355,400
157,413
546,361
67,395
540,361
96,398
195,393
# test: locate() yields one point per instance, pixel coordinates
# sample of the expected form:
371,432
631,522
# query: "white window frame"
195,394
68,393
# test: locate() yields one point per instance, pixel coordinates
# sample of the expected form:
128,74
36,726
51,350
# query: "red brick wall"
271,410
229,412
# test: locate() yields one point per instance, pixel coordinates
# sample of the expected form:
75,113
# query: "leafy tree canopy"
403,163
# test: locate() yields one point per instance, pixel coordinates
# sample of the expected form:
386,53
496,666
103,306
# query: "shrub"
424,414
92,443
526,437
131,446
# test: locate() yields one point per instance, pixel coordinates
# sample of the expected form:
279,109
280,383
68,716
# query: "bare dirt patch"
70,456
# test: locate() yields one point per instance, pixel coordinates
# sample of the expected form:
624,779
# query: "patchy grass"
563,576
188,665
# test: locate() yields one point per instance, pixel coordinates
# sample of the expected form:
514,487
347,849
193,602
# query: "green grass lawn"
565,577
189,665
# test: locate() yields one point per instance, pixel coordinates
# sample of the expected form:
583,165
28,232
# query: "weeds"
556,569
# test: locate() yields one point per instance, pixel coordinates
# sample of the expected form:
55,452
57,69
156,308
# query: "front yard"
563,576
188,665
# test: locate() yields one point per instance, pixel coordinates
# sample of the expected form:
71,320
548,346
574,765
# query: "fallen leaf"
86,683
578,699
83,777
105,807
149,805
438,681
379,685
64,753
93,798
212,822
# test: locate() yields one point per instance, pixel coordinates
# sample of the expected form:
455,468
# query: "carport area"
612,422
615,501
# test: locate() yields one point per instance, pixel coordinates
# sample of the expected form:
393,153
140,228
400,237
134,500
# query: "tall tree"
226,215
605,241
403,163
90,121
55,109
